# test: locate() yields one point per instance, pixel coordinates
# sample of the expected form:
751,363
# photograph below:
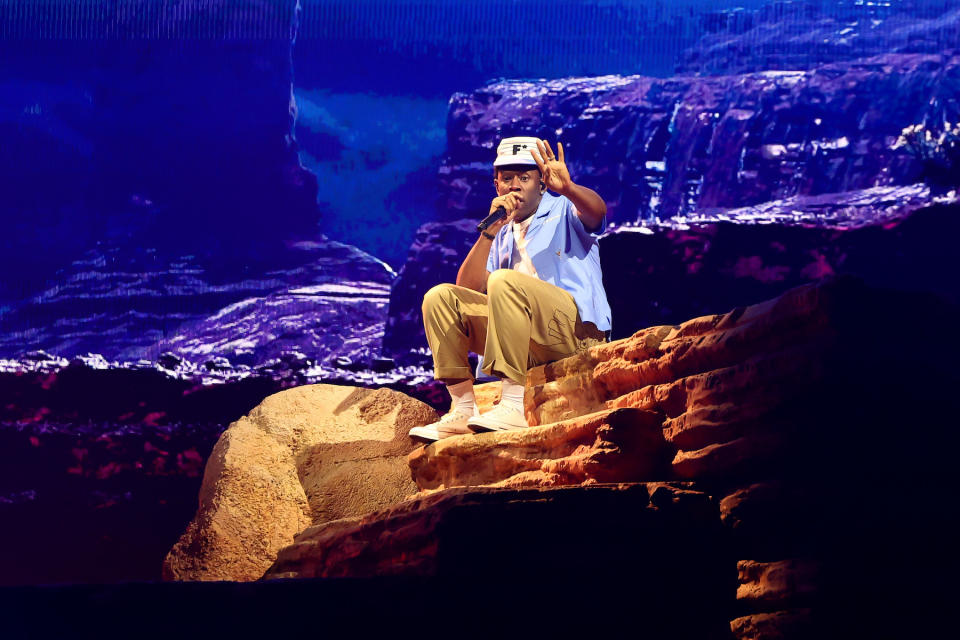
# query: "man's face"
525,183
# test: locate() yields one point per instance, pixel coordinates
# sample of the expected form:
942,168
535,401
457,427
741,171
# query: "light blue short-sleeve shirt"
564,254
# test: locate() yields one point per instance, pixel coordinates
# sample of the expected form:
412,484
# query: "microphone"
499,214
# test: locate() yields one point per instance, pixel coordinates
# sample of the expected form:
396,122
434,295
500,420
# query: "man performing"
540,270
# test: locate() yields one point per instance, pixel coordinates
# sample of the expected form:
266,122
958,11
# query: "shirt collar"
544,207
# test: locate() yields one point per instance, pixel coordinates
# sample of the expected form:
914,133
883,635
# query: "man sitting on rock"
529,291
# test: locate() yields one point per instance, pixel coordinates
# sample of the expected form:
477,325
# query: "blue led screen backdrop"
193,142
202,202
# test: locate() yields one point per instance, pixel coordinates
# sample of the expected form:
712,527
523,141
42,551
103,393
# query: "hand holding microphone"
499,214
502,209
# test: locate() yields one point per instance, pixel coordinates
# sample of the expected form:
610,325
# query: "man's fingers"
509,202
560,151
538,157
548,151
504,201
539,162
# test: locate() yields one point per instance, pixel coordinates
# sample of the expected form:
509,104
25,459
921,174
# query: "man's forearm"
473,272
590,206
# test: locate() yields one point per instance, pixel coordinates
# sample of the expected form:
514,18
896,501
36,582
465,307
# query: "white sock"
511,394
462,396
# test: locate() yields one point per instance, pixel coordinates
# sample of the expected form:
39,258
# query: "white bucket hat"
516,151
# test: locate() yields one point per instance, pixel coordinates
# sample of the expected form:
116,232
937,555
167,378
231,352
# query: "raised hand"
553,168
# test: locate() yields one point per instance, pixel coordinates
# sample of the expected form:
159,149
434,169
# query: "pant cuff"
500,370
452,373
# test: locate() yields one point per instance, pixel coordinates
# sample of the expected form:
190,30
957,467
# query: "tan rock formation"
487,395
305,455
503,532
722,389
736,453
726,383
619,445
783,583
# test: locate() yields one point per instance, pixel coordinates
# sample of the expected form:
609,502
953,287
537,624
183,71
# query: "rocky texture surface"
787,422
658,541
117,301
435,534
711,395
620,445
306,455
677,146
774,583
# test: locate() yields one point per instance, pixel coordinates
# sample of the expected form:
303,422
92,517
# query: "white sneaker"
500,418
452,424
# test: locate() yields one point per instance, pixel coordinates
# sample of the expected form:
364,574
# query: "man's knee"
438,295
500,281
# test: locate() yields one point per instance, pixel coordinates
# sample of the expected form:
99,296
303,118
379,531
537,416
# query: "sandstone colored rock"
651,367
305,455
729,385
782,583
723,394
658,530
487,395
724,390
647,556
620,445
792,414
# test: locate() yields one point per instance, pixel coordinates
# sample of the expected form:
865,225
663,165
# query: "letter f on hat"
516,151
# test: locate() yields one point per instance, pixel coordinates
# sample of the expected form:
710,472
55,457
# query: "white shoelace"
454,416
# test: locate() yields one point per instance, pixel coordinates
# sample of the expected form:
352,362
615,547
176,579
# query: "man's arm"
473,272
590,206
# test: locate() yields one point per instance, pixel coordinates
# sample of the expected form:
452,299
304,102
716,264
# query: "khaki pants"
523,322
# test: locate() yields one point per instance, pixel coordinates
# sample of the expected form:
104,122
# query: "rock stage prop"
317,452
766,468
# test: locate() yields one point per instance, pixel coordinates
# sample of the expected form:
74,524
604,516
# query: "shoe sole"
440,435
455,433
428,438
478,428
